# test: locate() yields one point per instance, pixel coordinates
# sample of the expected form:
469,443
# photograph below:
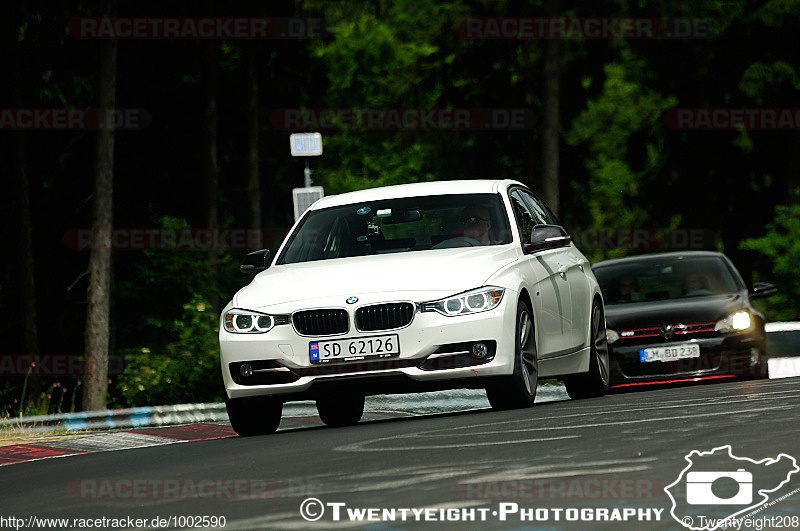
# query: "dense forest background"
211,151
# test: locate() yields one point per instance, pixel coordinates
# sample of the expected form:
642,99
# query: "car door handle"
562,270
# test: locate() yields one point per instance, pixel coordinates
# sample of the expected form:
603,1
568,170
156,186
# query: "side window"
540,211
525,218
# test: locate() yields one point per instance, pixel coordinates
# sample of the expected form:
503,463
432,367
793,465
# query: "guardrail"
136,417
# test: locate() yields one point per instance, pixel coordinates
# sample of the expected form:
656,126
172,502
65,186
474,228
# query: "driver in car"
476,223
695,284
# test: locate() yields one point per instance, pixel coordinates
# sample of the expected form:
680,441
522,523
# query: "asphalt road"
617,452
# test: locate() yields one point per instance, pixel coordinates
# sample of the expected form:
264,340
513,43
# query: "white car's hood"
445,270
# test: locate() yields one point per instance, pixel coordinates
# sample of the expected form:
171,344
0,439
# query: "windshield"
676,277
399,225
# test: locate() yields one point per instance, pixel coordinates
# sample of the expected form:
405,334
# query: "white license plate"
675,352
354,349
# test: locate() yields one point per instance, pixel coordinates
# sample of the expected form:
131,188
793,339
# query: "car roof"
654,257
782,326
477,186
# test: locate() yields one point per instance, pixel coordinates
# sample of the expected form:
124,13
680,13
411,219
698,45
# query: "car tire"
595,382
254,415
761,370
337,411
519,389
758,371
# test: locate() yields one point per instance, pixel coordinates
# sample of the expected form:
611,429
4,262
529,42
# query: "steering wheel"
458,241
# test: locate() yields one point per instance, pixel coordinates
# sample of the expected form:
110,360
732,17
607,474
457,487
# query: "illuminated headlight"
473,301
735,322
247,322
611,335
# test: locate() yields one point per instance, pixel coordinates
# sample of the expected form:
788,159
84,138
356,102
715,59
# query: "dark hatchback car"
679,317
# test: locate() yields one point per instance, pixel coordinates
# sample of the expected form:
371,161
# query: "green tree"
185,369
780,247
604,131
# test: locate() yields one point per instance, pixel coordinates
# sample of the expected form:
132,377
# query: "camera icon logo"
699,488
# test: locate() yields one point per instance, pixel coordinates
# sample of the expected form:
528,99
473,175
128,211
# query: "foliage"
605,127
379,62
186,369
169,342
780,247
59,396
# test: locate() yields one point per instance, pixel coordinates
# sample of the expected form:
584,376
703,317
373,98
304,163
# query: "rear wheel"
519,389
340,410
595,382
254,415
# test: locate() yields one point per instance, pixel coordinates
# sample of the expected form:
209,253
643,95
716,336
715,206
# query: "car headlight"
473,301
735,322
247,322
611,335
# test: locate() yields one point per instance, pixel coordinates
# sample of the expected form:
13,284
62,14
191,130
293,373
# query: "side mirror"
255,262
762,290
547,237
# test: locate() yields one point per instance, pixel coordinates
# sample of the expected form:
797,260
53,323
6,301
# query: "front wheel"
595,382
254,415
758,366
338,411
519,389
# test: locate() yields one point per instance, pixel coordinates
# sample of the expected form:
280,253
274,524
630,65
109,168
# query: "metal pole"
307,174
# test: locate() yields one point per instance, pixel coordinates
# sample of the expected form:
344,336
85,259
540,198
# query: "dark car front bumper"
732,355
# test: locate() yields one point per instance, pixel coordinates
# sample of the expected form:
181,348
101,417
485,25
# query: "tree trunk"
99,291
210,169
551,116
253,181
22,220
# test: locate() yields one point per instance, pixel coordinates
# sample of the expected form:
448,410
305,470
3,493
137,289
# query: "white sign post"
305,145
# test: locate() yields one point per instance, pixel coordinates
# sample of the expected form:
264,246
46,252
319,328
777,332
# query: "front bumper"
434,354
740,355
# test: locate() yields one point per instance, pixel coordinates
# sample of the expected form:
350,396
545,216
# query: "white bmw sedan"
409,288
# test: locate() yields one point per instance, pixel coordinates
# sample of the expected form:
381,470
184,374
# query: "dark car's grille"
679,332
322,322
384,316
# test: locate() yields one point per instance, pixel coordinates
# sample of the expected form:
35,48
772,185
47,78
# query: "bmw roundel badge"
352,299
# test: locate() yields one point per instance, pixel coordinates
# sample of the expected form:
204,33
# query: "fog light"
480,350
246,370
